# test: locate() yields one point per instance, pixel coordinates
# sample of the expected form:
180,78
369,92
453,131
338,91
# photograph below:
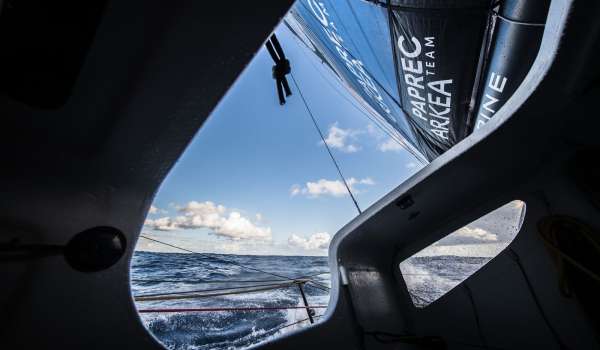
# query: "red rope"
209,309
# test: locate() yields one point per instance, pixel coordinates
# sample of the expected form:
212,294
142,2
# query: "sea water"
153,273
427,279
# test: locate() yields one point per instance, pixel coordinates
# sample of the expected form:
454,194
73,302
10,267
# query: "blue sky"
257,179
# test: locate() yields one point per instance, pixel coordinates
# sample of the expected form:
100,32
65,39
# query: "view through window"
234,248
257,194
435,270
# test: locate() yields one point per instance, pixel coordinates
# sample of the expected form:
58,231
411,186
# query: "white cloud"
341,139
319,240
476,233
479,250
156,210
468,235
295,190
411,165
162,224
221,221
335,188
390,145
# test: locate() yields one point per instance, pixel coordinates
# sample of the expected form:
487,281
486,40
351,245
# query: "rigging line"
203,282
364,68
206,295
217,259
383,125
239,309
325,143
137,280
362,30
318,286
360,109
228,261
315,275
422,159
213,289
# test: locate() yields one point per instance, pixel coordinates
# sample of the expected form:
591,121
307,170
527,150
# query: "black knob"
95,249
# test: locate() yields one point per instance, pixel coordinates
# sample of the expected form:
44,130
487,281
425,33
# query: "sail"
437,51
359,54
421,68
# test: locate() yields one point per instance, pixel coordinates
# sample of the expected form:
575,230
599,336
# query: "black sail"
437,51
421,69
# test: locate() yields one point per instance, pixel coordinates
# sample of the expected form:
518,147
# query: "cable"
212,290
475,313
360,109
517,260
180,296
224,309
366,37
326,145
409,147
548,232
142,280
314,275
315,284
201,281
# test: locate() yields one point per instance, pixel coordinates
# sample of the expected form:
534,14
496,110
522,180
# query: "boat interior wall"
151,76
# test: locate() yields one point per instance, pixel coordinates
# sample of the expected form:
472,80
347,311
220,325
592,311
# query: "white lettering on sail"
497,82
431,101
489,102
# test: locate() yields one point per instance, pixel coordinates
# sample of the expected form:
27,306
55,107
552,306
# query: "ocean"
209,276
159,273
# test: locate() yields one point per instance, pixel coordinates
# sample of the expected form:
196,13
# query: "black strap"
280,69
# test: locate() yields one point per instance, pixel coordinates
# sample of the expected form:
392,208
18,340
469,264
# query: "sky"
257,179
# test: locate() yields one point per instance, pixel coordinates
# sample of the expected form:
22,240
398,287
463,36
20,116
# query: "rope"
549,231
215,293
383,126
206,295
213,290
201,281
224,309
513,254
138,280
280,69
326,145
314,284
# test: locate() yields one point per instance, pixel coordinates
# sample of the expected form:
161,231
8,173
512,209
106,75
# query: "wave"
154,273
